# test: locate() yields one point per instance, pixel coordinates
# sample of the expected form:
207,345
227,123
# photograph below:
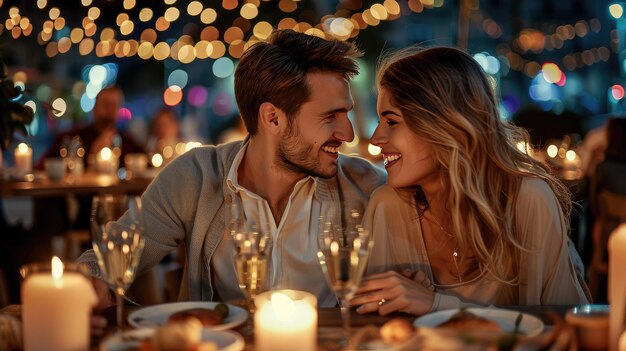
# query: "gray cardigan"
186,203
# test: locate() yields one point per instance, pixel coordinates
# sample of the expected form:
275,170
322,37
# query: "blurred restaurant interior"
558,67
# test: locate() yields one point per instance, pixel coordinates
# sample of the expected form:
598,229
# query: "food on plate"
207,317
396,330
467,321
178,336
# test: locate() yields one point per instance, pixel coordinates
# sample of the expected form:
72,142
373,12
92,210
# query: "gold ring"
381,302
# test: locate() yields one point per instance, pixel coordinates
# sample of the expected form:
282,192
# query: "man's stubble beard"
298,159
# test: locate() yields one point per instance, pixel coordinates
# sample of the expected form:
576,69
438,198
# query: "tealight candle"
56,308
23,159
617,284
285,320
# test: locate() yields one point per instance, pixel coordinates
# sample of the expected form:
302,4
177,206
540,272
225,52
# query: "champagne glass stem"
249,329
345,320
119,297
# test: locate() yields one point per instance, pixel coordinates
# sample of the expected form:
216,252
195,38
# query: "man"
294,98
102,132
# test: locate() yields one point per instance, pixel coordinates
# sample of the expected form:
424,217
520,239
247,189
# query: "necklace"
455,252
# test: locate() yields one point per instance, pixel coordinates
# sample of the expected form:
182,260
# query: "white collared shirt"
293,263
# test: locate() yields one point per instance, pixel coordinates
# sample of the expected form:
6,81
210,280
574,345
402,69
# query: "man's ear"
271,118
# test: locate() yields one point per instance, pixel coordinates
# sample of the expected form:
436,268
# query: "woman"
466,218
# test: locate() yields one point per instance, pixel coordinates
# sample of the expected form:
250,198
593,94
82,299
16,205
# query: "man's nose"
344,130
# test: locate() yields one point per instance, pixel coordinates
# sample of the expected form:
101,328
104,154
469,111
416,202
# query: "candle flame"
106,153
22,148
283,306
57,268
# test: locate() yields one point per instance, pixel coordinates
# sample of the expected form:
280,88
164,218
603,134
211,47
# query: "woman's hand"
391,291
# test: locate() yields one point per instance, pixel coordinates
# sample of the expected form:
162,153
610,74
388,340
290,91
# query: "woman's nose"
379,137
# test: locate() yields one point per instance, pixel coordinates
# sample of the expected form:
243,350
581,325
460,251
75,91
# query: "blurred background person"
608,203
99,134
164,130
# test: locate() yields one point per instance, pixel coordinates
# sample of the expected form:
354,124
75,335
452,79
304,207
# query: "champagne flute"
117,229
252,247
343,256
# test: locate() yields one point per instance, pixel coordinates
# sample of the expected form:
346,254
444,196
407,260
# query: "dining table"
329,329
37,185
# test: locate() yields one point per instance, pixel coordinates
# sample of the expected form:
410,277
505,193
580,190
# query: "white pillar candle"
56,310
617,284
285,320
23,159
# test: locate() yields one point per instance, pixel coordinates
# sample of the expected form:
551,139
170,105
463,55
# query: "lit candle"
285,320
106,161
56,309
23,159
617,284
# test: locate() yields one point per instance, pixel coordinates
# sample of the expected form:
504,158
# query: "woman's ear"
271,118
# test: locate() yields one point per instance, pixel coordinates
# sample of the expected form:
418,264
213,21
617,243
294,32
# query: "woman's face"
407,157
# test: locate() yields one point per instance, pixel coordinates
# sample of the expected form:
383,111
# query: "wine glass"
343,255
252,248
117,230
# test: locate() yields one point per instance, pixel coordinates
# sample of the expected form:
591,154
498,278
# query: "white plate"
157,315
226,340
529,326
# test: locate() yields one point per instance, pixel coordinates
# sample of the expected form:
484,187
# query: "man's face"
106,108
310,144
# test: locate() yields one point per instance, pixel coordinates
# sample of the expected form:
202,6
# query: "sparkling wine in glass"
343,256
117,229
252,249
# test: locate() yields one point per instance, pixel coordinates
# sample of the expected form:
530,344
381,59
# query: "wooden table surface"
88,183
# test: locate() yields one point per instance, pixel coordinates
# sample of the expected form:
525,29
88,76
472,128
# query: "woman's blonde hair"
448,101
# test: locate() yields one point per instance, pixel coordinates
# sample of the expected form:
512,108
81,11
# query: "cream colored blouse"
548,275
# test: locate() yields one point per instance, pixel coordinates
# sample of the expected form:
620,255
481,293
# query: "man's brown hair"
275,71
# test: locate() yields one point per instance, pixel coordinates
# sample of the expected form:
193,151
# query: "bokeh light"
617,92
552,151
173,95
59,107
223,67
616,10
373,149
157,160
178,77
223,105
197,95
124,115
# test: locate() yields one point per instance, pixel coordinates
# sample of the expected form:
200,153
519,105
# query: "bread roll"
206,316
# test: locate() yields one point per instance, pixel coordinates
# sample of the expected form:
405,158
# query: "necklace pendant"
455,254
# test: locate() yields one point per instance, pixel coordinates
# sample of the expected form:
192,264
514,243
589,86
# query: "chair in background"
611,212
